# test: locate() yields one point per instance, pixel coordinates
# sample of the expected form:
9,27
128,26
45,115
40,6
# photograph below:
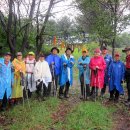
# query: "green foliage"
87,116
39,116
123,40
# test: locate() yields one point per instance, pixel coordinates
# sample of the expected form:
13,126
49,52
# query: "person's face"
96,54
19,57
30,57
104,51
41,58
7,58
54,52
117,58
128,52
84,54
68,52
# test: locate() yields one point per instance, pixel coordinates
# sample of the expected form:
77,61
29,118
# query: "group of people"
21,77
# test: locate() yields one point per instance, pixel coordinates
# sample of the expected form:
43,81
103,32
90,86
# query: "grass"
39,116
88,116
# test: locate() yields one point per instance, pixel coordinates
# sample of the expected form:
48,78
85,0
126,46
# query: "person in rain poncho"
97,66
30,83
83,65
42,76
108,59
6,80
116,75
127,73
19,78
66,75
54,62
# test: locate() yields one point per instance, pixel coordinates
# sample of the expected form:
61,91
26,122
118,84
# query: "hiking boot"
66,95
81,97
116,100
111,99
61,96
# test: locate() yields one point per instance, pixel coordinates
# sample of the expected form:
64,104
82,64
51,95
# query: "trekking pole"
53,81
23,85
84,89
124,90
95,75
26,91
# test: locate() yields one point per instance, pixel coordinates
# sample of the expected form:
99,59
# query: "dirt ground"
121,117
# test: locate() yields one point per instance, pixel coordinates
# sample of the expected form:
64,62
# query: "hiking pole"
53,81
124,89
84,89
23,84
95,76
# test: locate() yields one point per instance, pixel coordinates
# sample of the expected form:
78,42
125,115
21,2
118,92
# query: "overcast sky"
66,7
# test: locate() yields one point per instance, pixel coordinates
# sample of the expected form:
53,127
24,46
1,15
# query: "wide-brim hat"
7,53
69,49
126,49
84,50
55,48
104,48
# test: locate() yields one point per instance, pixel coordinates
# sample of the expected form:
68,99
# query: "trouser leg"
45,90
87,90
67,89
116,95
112,94
128,89
4,102
29,93
61,92
49,89
39,87
82,84
103,90
82,89
56,81
92,91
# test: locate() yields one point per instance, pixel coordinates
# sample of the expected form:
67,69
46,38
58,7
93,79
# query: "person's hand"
85,66
38,80
94,68
122,81
64,64
97,67
72,62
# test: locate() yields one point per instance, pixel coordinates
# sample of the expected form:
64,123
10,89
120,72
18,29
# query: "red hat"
97,50
117,54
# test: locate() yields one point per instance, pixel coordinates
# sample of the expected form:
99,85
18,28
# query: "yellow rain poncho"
19,66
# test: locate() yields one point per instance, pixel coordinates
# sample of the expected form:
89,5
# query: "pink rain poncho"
97,79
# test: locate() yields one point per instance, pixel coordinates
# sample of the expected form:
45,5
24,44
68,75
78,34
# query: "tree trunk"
25,42
40,38
9,27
